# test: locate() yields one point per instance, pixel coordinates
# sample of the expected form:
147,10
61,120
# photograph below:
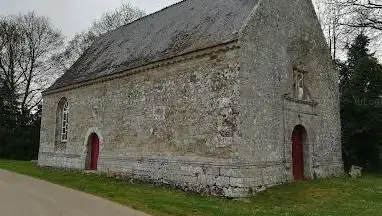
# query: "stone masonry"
216,120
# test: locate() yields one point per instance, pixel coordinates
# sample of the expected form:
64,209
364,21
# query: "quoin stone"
219,97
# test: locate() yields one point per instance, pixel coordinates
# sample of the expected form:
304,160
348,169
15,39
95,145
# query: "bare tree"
343,20
109,21
121,16
27,43
74,49
364,14
331,15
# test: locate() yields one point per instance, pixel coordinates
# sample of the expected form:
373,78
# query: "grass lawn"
334,196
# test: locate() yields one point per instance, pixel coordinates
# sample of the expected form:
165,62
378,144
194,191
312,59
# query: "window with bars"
65,122
62,124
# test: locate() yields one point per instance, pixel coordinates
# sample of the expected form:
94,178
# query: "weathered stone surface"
217,121
232,192
355,171
231,172
237,182
221,181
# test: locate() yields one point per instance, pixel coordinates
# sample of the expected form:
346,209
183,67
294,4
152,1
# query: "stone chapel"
223,97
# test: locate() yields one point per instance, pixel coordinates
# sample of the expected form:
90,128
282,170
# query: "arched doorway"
298,138
92,152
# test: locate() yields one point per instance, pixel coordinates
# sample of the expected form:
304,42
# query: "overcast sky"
71,16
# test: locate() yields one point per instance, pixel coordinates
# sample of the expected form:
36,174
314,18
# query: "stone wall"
175,123
281,37
217,121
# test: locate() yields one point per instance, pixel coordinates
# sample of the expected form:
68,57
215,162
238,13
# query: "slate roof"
181,28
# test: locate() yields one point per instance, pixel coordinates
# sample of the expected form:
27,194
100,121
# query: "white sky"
71,16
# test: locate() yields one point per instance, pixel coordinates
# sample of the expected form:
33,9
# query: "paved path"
25,196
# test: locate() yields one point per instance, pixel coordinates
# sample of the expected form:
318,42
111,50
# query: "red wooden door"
94,152
298,153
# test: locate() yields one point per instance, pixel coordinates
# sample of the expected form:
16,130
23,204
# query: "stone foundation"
229,180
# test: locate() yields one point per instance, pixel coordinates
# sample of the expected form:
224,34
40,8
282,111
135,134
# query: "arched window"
62,124
65,122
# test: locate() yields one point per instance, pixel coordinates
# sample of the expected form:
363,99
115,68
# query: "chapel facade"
219,97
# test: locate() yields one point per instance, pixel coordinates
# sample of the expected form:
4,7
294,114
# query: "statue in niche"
299,84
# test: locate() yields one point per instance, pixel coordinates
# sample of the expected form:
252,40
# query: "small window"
65,122
62,124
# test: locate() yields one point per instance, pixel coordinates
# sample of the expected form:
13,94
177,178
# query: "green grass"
334,196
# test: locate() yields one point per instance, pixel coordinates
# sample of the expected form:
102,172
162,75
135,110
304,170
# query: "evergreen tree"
19,134
361,108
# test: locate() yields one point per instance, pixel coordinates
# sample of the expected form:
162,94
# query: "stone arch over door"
92,137
299,153
303,114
